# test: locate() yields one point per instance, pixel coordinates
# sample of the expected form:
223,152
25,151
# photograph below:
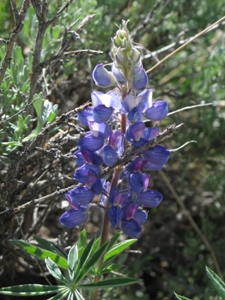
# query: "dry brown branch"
19,19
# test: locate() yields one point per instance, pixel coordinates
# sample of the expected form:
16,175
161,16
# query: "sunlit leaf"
181,297
40,253
217,282
30,290
54,270
114,282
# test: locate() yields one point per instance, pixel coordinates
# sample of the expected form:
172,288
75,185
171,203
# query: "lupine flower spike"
116,122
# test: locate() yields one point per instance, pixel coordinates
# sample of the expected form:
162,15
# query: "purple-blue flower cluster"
116,122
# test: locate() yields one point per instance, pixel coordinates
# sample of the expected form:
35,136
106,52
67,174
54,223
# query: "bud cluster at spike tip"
106,141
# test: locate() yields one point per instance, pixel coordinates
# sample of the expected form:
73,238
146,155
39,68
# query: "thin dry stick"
193,223
184,45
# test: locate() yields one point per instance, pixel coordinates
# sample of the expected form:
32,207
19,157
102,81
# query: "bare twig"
14,36
185,44
189,107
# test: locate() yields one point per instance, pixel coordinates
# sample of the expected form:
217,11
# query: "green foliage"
82,264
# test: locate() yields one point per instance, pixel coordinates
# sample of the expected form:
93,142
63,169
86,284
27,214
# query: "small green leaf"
40,253
45,244
72,261
60,295
217,282
114,239
30,290
181,297
55,271
118,248
78,295
38,104
90,262
114,282
86,253
82,239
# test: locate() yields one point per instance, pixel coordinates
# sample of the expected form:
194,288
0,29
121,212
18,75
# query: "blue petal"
131,228
102,113
115,215
101,130
118,74
140,79
136,182
81,173
73,218
158,111
102,77
140,216
79,196
84,115
90,157
116,141
116,198
99,98
93,183
150,198
157,157
134,115
90,142
135,131
109,156
79,158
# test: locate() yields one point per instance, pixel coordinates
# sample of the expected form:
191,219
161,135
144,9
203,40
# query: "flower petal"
157,157
81,173
79,196
158,111
115,215
140,79
73,218
90,142
109,156
93,183
102,113
136,182
103,77
150,198
140,216
131,228
135,131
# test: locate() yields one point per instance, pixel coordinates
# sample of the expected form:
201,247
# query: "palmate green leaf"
55,271
114,282
41,253
217,282
72,261
82,242
85,253
73,257
114,239
31,290
79,296
118,248
60,295
90,262
45,244
181,297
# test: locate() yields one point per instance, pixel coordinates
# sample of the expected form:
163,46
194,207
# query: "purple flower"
140,79
116,122
102,77
90,142
158,111
73,218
